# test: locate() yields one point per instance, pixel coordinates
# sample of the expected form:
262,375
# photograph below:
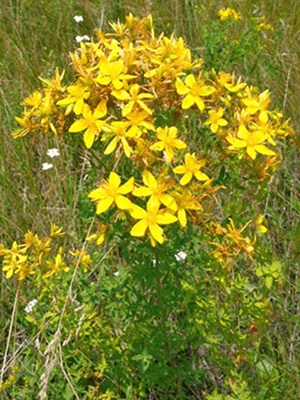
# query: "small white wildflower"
53,153
30,305
117,273
46,166
82,38
154,262
78,18
181,256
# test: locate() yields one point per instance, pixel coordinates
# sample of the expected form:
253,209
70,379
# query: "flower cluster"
131,98
39,256
229,13
232,243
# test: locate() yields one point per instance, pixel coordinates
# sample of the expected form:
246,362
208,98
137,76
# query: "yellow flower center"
151,218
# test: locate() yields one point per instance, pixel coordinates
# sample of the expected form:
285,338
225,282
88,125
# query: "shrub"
174,294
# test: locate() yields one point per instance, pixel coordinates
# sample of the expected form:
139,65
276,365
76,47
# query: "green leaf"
269,282
29,318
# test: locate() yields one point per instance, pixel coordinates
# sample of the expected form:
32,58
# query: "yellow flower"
259,224
100,235
193,91
261,24
90,123
120,131
139,121
265,26
235,235
168,141
81,257
55,83
156,190
111,192
56,231
14,261
27,125
228,81
56,265
252,141
215,120
112,72
133,98
191,168
34,100
150,220
75,100
258,103
226,13
185,201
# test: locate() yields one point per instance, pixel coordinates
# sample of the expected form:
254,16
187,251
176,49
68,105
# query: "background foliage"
36,36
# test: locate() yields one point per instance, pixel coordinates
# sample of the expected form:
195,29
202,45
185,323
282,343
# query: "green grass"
36,36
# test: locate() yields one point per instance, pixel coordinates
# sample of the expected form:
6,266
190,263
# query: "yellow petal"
89,137
126,147
166,219
158,146
79,125
103,80
139,228
97,194
121,94
200,103
145,108
214,128
117,84
169,153
263,117
137,212
262,149
114,180
251,152
142,191
188,101
236,142
149,179
207,90
123,203
127,187
66,101
169,201
78,107
157,233
182,217
262,229
222,122
179,144
101,109
181,169
181,88
201,176
103,205
127,109
111,147
190,80
186,178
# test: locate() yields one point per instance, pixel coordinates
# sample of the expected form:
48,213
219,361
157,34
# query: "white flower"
181,256
81,38
46,166
30,305
78,18
53,153
117,273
